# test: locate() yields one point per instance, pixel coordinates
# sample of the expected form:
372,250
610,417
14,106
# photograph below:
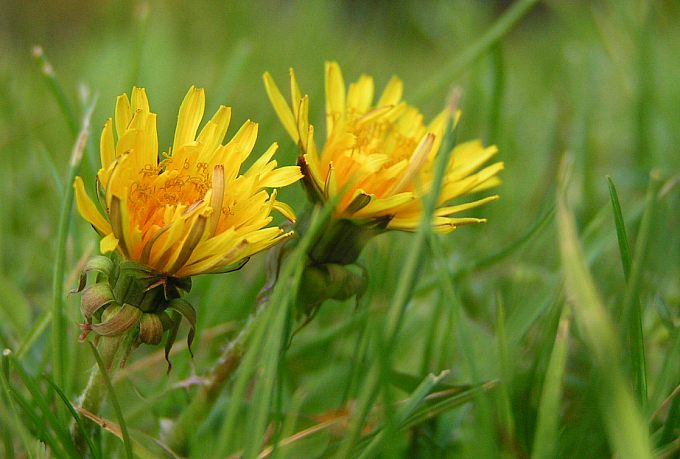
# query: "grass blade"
114,401
402,414
59,349
624,247
546,433
625,426
19,422
76,417
48,418
57,90
632,308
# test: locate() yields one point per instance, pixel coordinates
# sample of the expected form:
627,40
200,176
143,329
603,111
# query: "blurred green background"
597,81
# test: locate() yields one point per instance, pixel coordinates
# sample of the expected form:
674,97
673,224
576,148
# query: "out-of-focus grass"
593,81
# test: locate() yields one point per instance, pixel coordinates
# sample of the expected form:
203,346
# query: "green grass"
551,331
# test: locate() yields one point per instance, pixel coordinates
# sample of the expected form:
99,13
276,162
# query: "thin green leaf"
626,430
403,413
75,416
36,331
54,84
632,307
59,349
439,403
48,418
114,401
624,247
546,434
19,421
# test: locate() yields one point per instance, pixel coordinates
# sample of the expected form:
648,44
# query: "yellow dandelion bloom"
194,211
382,153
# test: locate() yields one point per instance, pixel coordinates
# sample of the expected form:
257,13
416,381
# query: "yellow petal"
240,146
263,160
108,244
88,210
107,146
335,97
450,210
139,100
384,206
415,164
392,93
281,177
285,210
123,115
295,95
190,115
213,133
360,95
281,108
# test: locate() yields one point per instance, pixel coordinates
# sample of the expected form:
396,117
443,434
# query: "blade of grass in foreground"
76,418
402,414
264,348
19,419
114,402
48,420
507,420
57,90
546,433
59,349
624,247
632,307
625,426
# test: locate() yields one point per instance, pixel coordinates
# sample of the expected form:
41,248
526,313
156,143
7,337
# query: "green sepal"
230,268
95,297
99,264
116,320
330,281
189,313
360,201
150,329
343,240
175,320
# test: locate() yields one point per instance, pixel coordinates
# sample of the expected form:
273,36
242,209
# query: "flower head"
381,155
193,210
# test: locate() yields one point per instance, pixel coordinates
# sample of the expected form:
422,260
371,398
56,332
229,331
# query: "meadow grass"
551,331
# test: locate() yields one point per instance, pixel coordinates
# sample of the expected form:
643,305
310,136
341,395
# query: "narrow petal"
392,93
415,163
335,97
139,100
450,210
385,206
213,133
285,210
280,177
108,244
190,115
217,198
123,115
187,246
88,210
360,95
107,146
281,107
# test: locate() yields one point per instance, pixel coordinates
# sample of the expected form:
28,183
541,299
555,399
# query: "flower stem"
112,350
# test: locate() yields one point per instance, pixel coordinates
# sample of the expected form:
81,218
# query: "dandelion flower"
381,154
192,211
